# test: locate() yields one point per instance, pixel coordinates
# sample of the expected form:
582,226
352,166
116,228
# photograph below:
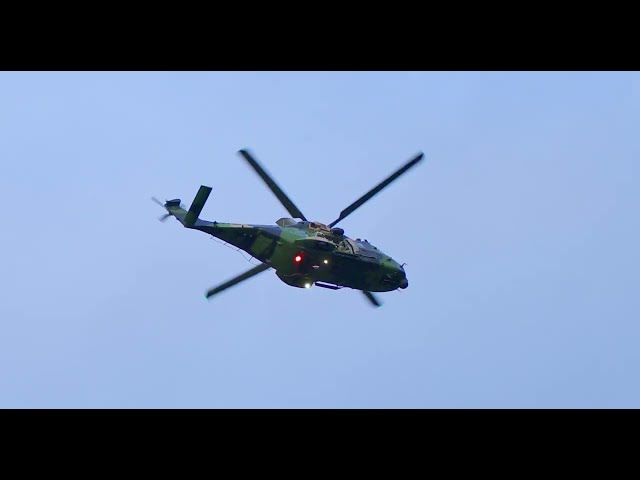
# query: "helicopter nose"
404,283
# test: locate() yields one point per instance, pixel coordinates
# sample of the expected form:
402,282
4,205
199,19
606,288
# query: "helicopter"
303,253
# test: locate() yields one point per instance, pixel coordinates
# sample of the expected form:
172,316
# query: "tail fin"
196,206
188,218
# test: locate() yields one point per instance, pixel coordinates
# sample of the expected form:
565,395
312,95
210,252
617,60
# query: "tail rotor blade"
164,217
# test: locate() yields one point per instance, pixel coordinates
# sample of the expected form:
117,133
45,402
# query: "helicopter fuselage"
303,253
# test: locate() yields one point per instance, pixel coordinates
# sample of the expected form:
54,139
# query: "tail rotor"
164,217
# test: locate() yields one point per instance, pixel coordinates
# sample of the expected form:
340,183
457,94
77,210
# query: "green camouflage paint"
326,255
350,263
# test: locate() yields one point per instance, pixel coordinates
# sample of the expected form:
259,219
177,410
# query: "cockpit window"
364,244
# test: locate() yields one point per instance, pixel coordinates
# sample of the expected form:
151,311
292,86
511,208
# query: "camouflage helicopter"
303,253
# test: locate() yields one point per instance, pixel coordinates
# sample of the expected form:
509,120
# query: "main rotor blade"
238,279
277,191
358,203
372,298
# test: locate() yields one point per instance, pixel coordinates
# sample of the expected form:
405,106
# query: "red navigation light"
297,258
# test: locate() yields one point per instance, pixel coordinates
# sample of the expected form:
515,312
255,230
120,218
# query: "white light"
307,285
326,262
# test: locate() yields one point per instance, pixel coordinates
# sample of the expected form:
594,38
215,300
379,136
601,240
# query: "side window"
345,247
354,247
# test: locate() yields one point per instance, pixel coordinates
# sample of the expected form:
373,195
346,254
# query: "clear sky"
520,231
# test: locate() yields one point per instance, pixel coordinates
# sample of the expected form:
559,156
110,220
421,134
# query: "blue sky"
520,231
